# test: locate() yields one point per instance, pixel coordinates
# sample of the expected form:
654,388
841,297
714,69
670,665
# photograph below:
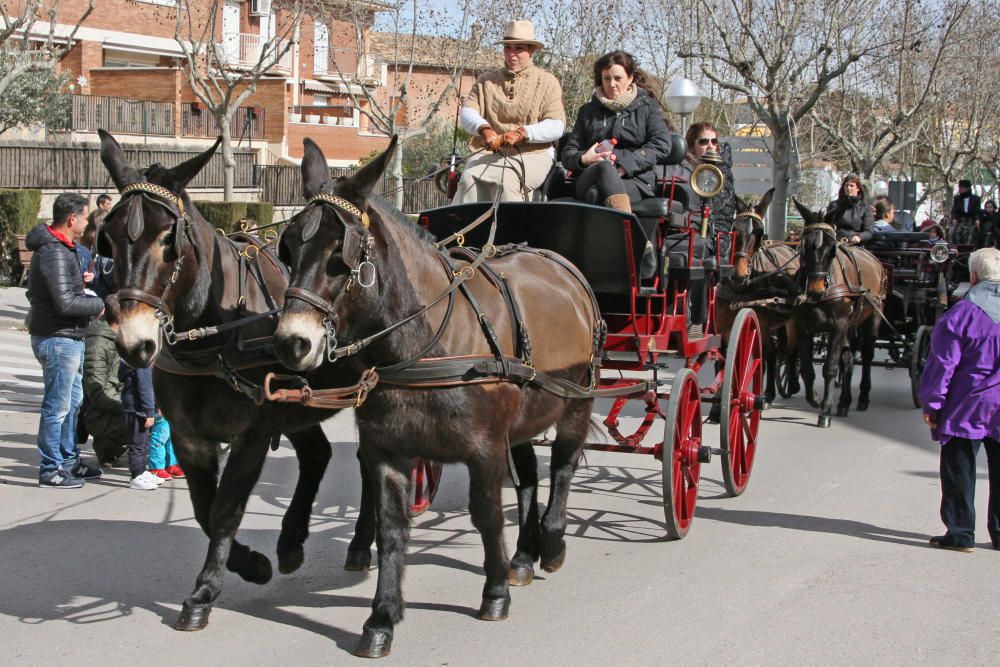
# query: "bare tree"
223,69
18,54
409,105
782,55
881,107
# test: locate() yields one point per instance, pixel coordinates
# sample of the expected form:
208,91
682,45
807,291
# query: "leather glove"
493,140
514,137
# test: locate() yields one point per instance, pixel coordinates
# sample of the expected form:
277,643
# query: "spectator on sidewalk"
139,409
102,412
960,392
57,321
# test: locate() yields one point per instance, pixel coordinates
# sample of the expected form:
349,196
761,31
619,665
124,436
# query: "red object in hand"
606,146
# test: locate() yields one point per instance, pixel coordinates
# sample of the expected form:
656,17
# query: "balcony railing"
346,64
119,115
243,51
326,115
197,121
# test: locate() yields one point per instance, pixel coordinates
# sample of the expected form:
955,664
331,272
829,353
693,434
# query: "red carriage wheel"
741,401
424,481
681,443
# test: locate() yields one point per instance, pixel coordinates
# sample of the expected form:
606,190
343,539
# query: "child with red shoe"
162,461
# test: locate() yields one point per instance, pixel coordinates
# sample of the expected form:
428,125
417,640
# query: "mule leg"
313,452
528,549
868,334
847,377
831,369
200,461
570,435
359,552
804,345
771,369
486,477
246,459
391,480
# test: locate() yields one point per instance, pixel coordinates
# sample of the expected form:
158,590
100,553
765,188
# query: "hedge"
261,211
222,215
18,214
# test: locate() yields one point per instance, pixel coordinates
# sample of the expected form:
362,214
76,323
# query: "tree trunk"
228,160
782,172
396,170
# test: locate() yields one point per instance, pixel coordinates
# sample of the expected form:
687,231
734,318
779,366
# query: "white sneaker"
144,482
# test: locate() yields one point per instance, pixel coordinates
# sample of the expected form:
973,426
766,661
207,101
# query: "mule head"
330,251
817,249
748,234
147,233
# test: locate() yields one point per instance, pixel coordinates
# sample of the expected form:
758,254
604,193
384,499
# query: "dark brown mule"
762,271
169,260
844,287
359,267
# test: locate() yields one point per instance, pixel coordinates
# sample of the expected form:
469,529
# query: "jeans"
958,489
62,375
138,447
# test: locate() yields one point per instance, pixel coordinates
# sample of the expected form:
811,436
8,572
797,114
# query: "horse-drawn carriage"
921,279
456,356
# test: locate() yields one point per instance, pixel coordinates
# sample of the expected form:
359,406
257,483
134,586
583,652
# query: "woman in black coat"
622,109
852,216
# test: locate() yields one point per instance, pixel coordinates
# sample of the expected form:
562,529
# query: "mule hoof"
374,644
554,563
290,560
862,406
193,617
257,569
358,561
824,421
843,410
494,609
520,576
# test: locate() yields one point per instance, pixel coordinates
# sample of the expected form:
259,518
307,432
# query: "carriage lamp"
706,181
940,253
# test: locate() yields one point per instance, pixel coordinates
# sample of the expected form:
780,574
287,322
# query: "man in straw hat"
515,114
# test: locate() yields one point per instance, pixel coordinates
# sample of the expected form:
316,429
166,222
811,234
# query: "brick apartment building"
127,76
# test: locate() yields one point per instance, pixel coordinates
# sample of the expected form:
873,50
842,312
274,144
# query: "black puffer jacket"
640,130
852,215
55,288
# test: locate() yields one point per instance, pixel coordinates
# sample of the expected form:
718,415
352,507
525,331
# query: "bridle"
826,230
753,215
132,198
357,254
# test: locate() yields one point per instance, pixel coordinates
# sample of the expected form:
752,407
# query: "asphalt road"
823,561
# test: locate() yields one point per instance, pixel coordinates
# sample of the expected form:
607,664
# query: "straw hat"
520,32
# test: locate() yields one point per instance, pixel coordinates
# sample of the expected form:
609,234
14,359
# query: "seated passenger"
935,234
515,115
852,215
624,109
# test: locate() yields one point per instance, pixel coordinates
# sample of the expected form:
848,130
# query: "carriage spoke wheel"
741,403
424,481
681,441
921,348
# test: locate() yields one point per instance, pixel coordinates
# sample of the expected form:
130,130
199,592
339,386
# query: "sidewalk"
13,307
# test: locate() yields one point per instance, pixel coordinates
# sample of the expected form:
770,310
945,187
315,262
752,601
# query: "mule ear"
315,172
806,213
765,202
740,204
362,183
113,157
182,174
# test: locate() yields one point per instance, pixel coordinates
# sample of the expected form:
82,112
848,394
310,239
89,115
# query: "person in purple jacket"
960,392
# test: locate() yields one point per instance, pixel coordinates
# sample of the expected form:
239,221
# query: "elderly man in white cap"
515,114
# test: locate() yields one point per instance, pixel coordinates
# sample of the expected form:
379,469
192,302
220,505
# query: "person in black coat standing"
965,215
622,109
852,216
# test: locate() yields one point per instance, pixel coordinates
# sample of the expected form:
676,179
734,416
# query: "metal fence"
196,121
118,115
80,167
282,186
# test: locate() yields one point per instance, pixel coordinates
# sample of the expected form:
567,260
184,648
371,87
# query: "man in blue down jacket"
57,321
960,392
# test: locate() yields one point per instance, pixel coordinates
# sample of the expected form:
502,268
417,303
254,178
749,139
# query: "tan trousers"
489,173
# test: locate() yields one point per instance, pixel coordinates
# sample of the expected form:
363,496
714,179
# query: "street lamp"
881,188
682,98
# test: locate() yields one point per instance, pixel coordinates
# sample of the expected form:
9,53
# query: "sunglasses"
704,142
